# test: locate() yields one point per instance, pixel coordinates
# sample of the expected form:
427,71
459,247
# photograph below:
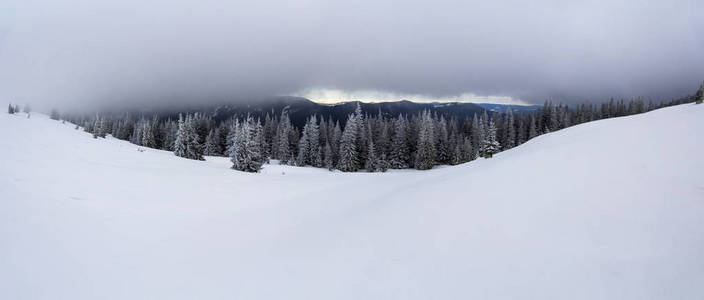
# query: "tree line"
373,143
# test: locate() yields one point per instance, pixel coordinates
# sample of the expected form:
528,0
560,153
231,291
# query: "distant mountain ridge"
299,109
502,108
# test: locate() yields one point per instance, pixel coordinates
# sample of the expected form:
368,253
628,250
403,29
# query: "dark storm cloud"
129,51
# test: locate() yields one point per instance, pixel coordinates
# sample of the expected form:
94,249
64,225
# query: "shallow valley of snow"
612,209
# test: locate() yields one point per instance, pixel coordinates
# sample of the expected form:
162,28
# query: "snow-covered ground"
612,209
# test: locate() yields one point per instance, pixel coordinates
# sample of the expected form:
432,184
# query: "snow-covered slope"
612,209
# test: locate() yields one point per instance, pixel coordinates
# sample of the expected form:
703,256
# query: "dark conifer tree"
425,151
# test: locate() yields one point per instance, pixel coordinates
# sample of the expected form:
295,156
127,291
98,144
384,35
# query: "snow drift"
612,209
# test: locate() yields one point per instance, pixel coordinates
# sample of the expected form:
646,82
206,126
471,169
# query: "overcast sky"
62,52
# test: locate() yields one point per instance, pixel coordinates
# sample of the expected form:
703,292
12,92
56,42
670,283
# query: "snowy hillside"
612,209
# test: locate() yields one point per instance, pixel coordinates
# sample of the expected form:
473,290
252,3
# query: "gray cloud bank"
64,52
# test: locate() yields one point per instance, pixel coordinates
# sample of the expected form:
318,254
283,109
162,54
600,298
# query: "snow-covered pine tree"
170,129
284,132
116,127
223,131
88,125
699,96
478,133
211,146
237,149
456,155
399,154
567,116
98,127
554,124
348,148
467,151
270,125
10,109
532,128
104,126
157,132
510,140
148,138
441,141
194,150
324,134
546,117
309,145
234,129
490,145
138,133
383,142
254,146
246,153
383,163
425,151
371,164
335,142
329,163
181,142
521,132
360,136
303,146
260,136
315,155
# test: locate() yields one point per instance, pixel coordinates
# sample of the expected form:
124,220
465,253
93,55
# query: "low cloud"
87,53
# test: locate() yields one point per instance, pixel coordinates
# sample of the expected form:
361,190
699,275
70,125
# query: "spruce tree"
425,151
521,132
467,151
699,96
148,138
360,136
10,109
283,135
532,131
157,133
399,156
382,163
457,155
335,142
441,141
348,147
309,145
194,150
371,164
231,136
138,133
181,142
490,145
329,163
260,137
211,147
510,140
303,147
246,153
383,142
478,135
170,129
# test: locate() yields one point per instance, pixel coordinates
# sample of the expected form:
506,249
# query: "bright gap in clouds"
324,95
